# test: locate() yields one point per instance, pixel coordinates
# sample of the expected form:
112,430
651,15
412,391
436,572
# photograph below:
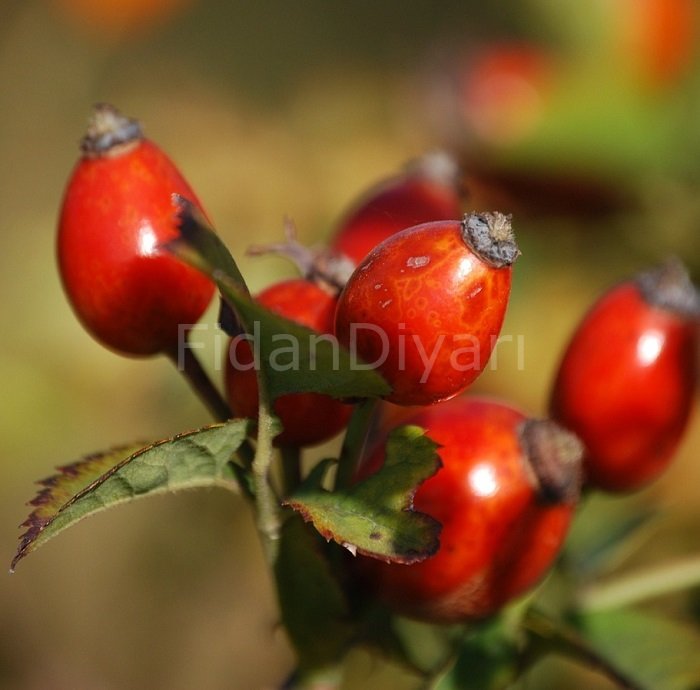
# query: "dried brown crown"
490,236
108,131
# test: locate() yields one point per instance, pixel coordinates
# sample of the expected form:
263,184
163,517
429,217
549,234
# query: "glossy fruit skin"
426,192
426,310
308,418
117,209
498,537
625,386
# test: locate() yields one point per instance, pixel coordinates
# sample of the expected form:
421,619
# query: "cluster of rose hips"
424,303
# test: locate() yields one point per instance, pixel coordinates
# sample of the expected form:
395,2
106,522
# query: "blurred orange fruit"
657,37
116,17
504,91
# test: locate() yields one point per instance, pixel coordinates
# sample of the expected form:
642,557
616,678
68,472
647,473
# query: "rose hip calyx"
490,236
436,166
109,132
668,286
554,457
325,267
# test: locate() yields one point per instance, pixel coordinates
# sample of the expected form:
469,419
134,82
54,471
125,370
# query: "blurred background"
579,118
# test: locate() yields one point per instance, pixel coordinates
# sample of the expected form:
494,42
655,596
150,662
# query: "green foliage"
314,608
486,659
90,485
654,652
323,613
292,358
375,517
605,533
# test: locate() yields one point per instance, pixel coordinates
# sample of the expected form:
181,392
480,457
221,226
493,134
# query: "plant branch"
291,469
266,503
642,585
187,363
547,635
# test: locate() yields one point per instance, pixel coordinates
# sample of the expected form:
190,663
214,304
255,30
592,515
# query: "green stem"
291,468
550,636
266,502
354,442
642,585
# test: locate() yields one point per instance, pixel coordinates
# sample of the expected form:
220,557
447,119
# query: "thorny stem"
354,442
638,586
554,637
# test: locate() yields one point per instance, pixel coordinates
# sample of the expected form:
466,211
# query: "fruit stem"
553,636
291,469
354,442
191,368
642,585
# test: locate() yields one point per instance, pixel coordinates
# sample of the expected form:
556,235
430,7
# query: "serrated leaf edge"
37,525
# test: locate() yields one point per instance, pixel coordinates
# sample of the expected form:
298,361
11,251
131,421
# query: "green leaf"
293,358
201,247
314,608
654,652
639,585
548,635
375,517
425,648
193,459
378,631
605,532
487,659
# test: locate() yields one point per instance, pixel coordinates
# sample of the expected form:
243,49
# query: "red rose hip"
426,306
117,212
307,418
428,190
626,381
505,496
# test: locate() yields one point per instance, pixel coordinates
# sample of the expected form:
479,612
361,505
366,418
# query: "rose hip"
117,211
426,306
505,496
428,190
307,418
627,379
